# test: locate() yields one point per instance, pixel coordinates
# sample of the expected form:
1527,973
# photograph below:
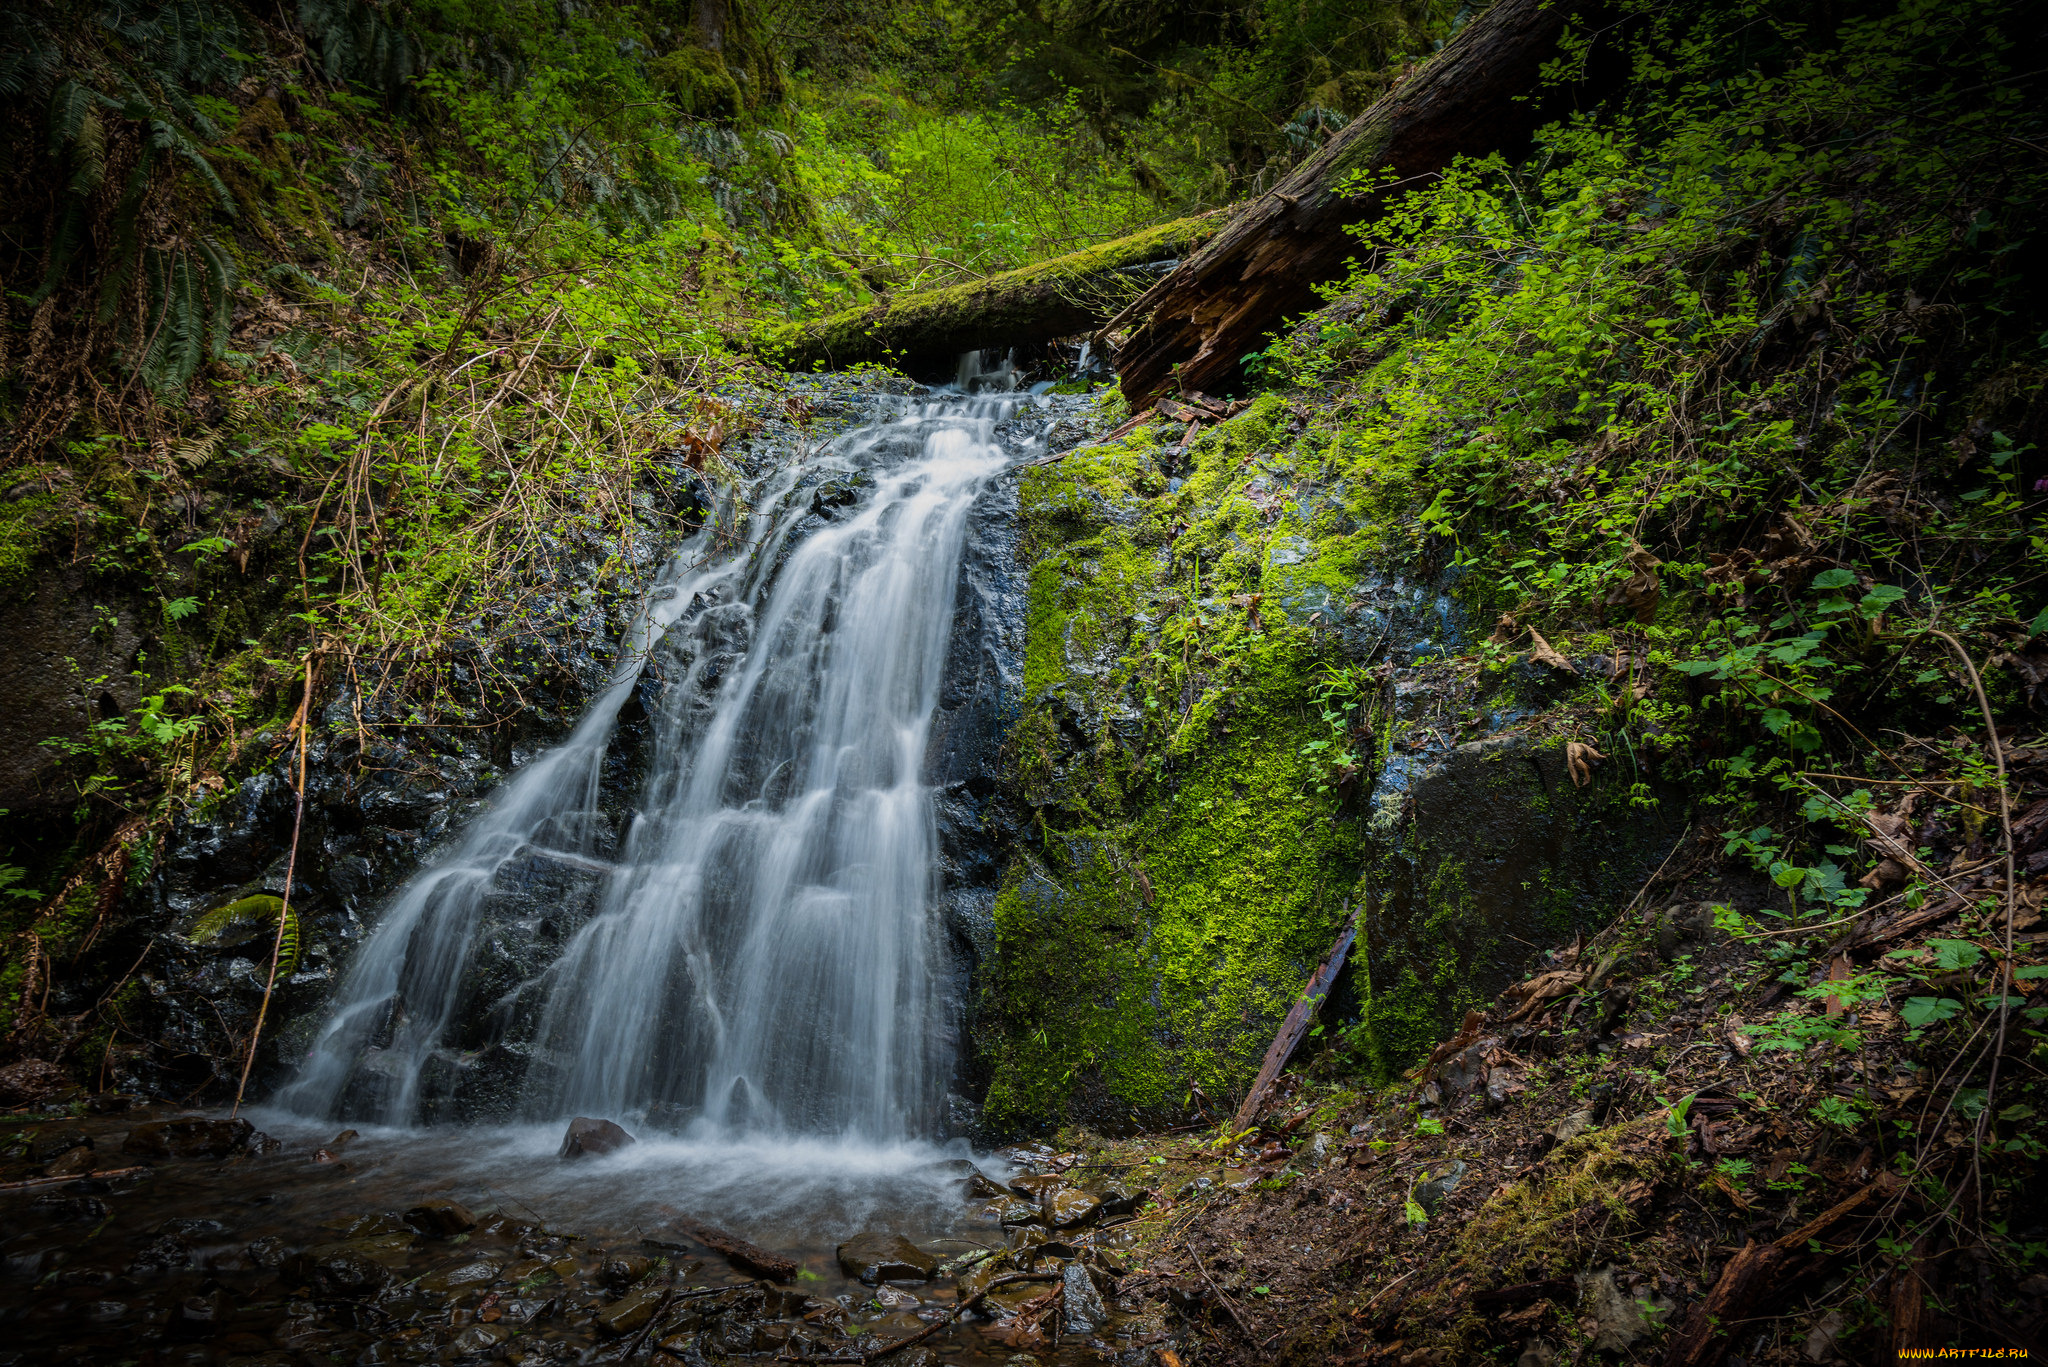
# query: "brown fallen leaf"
1542,653
1579,759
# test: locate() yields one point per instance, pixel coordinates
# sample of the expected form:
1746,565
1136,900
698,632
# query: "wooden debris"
1297,1022
738,1251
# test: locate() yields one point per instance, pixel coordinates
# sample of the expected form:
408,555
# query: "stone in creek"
339,1270
478,1340
1018,1213
437,1217
593,1137
463,1272
70,1209
1032,1186
332,1152
267,1253
621,1270
1119,1198
73,1163
1081,1308
889,1298
50,1143
188,1138
164,1253
1066,1207
873,1258
630,1312
375,1226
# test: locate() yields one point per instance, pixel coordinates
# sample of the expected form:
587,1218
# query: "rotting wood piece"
927,330
1468,100
738,1251
1296,1024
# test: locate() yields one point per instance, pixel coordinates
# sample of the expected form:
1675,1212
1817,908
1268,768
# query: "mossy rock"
250,923
700,83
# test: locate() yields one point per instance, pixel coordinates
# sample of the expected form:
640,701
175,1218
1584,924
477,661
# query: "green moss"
1065,294
699,82
28,527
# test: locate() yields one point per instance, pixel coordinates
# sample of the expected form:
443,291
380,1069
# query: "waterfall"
763,953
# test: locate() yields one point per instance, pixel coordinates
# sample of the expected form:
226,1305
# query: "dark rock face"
590,1138
440,1218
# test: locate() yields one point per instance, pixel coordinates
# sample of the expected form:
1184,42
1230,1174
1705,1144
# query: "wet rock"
337,1271
30,1081
437,1217
630,1312
621,1270
69,1209
889,1298
1018,1212
1317,1153
164,1253
1067,1207
51,1144
1430,1193
478,1340
268,1253
463,1272
195,1138
1081,1309
872,1258
73,1163
1621,1319
587,1137
981,1187
1120,1198
1033,1186
374,1226
330,1152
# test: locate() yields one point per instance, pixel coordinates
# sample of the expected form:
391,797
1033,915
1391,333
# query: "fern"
250,921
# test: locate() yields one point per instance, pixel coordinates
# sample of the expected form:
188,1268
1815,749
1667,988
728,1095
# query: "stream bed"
160,1237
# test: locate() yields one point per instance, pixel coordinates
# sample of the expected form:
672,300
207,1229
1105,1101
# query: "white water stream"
764,952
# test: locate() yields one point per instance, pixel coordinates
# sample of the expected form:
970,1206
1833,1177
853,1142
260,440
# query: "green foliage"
252,924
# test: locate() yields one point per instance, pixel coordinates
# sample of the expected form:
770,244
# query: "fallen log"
1296,1024
1468,100
925,331
737,1251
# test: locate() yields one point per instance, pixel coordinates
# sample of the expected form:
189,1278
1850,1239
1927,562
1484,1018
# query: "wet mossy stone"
876,1258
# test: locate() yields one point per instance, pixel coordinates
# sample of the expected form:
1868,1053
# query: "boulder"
191,1138
1081,1308
437,1217
621,1270
873,1258
593,1137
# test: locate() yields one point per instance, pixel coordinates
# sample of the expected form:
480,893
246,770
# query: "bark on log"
1220,302
737,1251
927,330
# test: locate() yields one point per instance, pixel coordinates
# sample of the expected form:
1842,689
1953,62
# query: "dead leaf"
1542,653
1641,591
1505,630
1579,759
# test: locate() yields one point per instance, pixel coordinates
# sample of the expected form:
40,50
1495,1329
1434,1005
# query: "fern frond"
88,155
70,236
68,108
169,137
196,451
251,922
220,290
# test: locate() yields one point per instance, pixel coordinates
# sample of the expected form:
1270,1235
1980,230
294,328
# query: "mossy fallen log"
925,330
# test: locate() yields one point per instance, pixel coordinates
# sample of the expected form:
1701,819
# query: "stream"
746,976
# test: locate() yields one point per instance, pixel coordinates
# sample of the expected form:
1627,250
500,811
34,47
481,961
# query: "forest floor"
1664,1145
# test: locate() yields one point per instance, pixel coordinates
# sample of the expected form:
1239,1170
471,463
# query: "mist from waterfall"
763,955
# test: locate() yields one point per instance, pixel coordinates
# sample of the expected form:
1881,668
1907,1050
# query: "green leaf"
1921,1012
1952,955
177,609
1834,579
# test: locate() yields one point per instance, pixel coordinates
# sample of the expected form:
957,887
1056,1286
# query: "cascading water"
763,951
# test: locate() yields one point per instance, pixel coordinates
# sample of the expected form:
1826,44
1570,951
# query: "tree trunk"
926,331
1200,320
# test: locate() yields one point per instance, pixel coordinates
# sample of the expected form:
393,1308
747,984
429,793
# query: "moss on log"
927,329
